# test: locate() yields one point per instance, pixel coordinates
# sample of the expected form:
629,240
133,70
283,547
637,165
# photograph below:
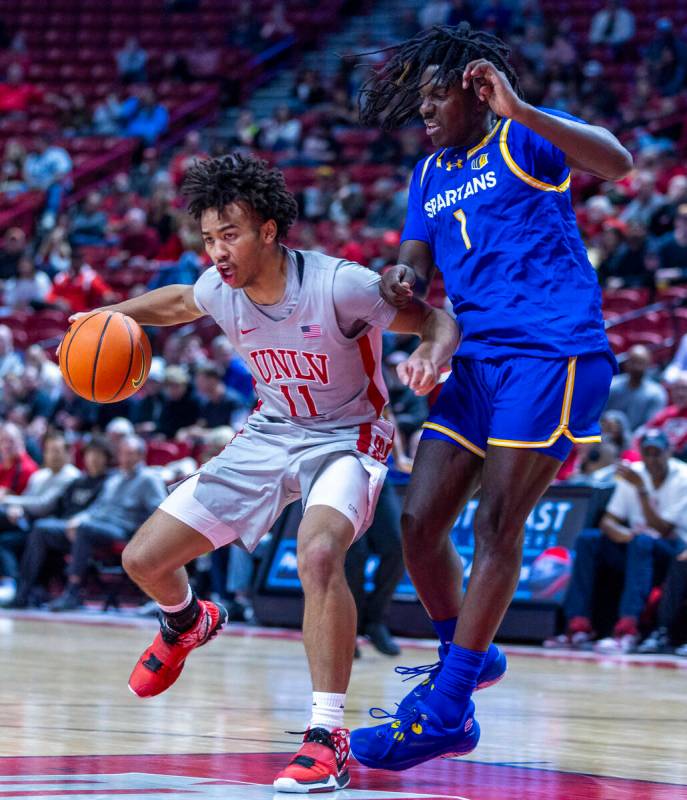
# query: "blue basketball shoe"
494,669
415,736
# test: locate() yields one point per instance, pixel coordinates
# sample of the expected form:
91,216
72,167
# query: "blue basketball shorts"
522,402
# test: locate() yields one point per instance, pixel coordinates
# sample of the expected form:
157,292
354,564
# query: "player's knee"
497,528
135,562
319,562
414,531
130,562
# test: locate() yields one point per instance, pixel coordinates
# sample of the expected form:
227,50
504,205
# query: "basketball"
105,357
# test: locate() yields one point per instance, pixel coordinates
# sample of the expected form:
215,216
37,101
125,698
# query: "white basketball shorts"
240,493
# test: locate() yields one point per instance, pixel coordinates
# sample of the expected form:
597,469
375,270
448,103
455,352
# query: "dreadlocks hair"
235,178
390,95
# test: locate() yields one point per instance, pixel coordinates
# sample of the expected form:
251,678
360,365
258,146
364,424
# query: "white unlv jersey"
305,369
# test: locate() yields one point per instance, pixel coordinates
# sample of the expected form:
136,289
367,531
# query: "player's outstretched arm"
439,338
169,305
587,147
412,274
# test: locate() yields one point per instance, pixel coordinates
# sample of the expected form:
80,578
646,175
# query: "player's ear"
268,231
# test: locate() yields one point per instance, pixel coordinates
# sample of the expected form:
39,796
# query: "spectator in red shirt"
79,288
16,465
15,95
673,419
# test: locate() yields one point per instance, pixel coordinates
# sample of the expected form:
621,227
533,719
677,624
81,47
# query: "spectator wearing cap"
48,534
634,392
612,25
671,249
181,404
128,497
643,529
116,430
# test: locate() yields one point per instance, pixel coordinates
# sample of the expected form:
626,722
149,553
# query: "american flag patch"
311,331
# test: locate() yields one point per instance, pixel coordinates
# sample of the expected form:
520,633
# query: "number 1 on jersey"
460,216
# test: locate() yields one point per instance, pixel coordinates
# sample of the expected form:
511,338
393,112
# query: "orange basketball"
105,357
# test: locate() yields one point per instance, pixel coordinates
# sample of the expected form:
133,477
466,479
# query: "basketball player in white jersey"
310,329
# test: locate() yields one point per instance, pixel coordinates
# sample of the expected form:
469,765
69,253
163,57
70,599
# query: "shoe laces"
316,735
403,721
415,672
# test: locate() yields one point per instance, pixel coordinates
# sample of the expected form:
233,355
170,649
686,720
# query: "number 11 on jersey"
460,216
304,392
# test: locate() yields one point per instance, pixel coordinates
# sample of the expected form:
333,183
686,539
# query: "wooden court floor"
553,729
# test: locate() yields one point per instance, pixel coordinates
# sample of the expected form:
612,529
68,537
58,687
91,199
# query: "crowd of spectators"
351,186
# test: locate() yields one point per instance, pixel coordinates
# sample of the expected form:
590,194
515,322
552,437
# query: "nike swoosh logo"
136,382
248,330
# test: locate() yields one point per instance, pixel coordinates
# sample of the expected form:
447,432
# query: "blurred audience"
643,529
633,392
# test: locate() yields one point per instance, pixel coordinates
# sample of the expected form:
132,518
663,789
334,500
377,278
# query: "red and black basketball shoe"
321,765
162,662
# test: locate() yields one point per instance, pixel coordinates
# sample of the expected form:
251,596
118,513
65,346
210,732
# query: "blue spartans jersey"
500,224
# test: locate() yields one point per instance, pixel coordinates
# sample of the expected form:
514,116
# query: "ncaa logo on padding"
480,161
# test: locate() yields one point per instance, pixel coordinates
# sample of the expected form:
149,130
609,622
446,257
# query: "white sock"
180,607
327,710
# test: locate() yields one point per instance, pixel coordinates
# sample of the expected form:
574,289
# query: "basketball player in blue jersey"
491,209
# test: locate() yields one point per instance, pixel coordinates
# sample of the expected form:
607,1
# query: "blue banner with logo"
549,537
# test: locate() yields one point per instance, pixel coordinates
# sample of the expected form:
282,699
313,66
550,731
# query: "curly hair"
390,95
248,181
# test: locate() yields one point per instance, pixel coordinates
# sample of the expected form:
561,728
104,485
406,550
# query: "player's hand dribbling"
493,87
419,374
397,285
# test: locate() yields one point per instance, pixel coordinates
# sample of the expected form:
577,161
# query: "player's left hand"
419,374
493,87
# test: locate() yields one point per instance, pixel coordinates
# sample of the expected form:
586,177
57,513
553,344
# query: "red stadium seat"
161,453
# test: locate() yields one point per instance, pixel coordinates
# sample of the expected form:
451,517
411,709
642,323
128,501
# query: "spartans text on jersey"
450,197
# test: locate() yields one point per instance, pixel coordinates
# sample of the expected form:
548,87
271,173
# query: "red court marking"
445,778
